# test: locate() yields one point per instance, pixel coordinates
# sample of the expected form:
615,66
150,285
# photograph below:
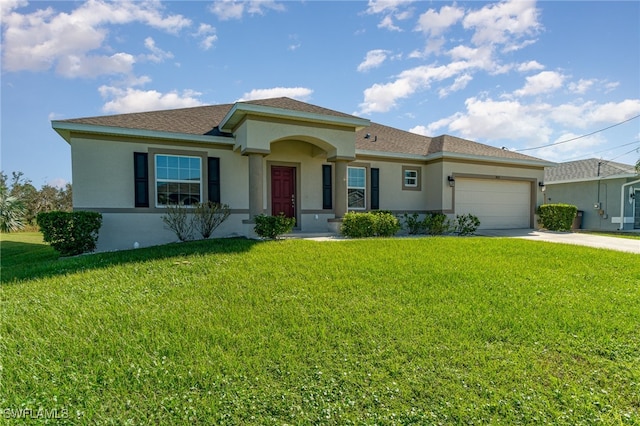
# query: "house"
282,155
600,189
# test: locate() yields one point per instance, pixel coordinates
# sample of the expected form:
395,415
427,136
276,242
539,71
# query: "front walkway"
591,240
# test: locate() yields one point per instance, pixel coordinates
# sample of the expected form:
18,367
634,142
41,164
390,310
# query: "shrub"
466,224
70,233
177,219
371,224
556,217
358,225
273,226
208,216
385,224
437,224
412,224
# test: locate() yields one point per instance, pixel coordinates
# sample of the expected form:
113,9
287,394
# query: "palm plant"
11,213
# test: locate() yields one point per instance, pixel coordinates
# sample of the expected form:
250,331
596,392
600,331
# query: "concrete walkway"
591,240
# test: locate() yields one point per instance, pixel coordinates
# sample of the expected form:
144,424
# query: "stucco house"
600,189
282,155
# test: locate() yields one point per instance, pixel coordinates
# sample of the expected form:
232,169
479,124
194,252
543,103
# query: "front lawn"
394,331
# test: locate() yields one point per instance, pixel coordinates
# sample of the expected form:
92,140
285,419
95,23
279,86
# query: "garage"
498,203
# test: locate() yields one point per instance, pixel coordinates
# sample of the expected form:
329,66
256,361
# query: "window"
178,179
410,178
356,188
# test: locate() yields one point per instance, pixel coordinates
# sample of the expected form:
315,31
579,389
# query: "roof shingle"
203,120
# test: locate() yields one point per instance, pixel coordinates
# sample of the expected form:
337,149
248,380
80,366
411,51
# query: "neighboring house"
281,155
601,189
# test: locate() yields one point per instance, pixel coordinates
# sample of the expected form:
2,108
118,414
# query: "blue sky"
515,74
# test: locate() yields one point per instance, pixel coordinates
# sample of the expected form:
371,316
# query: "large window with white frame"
178,179
356,188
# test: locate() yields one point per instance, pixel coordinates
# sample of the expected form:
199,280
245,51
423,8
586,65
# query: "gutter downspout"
622,193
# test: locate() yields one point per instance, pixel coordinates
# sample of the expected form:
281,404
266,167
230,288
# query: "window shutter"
375,189
141,178
214,179
327,199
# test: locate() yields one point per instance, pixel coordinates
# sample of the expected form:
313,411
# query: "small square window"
411,178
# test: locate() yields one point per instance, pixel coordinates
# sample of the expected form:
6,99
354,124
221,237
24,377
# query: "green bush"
437,224
273,226
556,217
466,224
371,224
70,233
358,225
412,224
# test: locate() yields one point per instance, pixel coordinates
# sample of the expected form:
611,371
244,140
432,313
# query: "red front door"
283,191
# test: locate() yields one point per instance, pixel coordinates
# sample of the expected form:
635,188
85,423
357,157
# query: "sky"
514,74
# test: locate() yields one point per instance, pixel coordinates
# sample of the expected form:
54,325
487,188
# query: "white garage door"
499,204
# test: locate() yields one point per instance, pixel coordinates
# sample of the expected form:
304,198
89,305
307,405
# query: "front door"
283,191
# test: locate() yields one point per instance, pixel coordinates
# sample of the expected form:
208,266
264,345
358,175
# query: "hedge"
70,233
556,217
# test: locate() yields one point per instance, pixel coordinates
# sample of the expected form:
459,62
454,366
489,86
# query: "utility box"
577,221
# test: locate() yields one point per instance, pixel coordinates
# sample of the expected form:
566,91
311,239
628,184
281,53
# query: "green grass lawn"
396,331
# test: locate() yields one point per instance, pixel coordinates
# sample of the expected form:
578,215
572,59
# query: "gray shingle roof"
586,170
204,120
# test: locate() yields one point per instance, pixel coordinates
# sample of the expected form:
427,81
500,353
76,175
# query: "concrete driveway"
590,240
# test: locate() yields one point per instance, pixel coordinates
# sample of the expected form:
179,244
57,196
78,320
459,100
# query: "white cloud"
58,183
134,100
544,82
503,23
72,66
208,34
374,59
299,93
392,10
530,66
233,9
45,39
458,84
387,23
489,119
157,54
581,86
435,23
383,97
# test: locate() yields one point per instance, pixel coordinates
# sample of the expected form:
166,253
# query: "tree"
638,166
20,190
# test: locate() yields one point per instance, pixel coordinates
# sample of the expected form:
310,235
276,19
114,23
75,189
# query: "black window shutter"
214,179
141,178
375,189
327,199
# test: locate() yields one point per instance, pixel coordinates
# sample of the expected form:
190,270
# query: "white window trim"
413,178
416,186
364,188
155,171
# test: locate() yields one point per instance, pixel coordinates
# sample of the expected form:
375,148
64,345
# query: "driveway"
590,240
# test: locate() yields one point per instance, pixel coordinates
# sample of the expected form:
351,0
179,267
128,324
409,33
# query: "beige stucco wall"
103,178
256,135
392,195
103,172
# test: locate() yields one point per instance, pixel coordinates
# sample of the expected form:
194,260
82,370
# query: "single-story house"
600,189
282,155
